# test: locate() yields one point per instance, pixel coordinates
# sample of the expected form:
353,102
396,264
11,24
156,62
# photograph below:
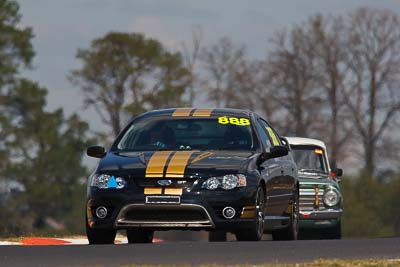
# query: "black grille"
153,182
165,215
218,211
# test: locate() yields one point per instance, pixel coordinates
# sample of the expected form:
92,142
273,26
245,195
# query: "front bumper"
321,214
320,219
197,210
123,219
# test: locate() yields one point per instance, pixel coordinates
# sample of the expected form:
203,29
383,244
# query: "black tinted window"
158,133
263,134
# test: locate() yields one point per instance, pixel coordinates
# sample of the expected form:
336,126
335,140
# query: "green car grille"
311,199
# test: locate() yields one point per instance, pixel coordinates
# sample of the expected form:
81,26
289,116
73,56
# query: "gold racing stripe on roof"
173,191
203,112
182,112
156,165
177,165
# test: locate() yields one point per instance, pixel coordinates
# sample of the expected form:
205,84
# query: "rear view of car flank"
320,195
193,169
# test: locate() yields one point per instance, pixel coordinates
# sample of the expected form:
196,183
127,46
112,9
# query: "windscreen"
309,159
170,133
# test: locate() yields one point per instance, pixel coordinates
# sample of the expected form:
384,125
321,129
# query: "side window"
263,134
273,137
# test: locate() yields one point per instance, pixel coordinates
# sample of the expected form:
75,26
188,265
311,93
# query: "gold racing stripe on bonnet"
177,165
203,112
152,190
182,112
202,156
156,165
173,191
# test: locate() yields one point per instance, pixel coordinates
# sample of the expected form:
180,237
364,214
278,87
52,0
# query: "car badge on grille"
164,182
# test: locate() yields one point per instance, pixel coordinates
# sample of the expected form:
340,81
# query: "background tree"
327,35
191,56
171,81
373,97
220,63
45,149
251,89
366,210
122,72
15,52
15,42
330,52
292,70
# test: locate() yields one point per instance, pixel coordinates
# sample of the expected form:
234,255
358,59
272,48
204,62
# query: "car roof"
305,141
193,110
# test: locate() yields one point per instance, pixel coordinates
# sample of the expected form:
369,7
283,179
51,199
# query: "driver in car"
163,137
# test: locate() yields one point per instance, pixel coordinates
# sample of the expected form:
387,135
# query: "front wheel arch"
264,187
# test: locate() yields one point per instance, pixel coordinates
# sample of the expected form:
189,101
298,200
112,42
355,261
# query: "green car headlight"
331,197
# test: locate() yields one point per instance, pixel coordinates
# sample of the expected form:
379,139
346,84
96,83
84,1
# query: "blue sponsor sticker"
112,183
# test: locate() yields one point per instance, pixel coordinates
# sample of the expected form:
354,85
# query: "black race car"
221,170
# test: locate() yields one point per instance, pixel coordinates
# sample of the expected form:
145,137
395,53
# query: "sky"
63,26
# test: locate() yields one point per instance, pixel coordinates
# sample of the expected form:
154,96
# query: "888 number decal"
233,120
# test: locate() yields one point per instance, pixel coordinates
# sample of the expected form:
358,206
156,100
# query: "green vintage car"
320,196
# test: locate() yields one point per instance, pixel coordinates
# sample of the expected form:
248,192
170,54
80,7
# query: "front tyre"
139,236
292,230
256,231
100,236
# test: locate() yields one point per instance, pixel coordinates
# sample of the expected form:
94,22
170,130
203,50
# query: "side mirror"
285,142
96,151
278,151
338,172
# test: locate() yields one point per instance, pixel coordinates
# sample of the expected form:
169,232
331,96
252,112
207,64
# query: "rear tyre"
256,231
291,232
139,236
100,236
217,236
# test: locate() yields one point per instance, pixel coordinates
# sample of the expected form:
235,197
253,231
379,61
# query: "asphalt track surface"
195,253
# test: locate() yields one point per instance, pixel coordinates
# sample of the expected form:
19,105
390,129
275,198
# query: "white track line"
8,243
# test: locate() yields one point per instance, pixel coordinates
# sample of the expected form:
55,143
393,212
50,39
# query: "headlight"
331,197
104,181
229,182
212,183
226,182
121,182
